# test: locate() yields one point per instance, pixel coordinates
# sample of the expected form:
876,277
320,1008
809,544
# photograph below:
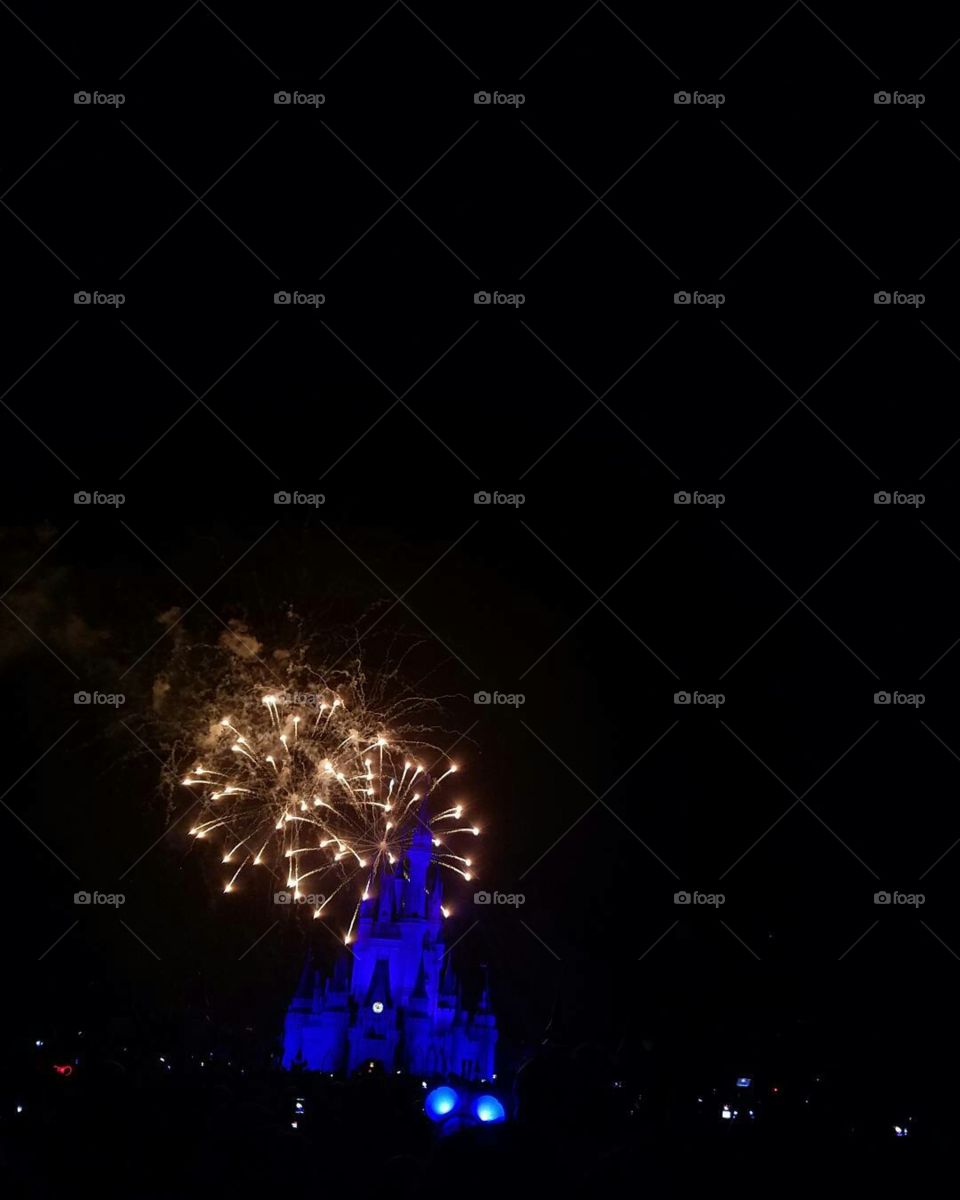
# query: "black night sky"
785,587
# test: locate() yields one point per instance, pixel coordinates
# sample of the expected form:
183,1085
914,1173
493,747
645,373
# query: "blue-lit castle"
393,998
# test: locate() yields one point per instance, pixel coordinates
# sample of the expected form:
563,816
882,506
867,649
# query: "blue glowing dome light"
441,1102
489,1110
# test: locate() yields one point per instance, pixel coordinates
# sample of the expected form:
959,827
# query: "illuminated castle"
393,998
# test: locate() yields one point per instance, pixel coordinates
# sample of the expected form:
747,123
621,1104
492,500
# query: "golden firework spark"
322,795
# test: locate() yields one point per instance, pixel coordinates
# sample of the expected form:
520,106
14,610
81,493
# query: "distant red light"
66,1069
774,1090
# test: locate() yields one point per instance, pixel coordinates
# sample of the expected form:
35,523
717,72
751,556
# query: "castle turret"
419,856
300,1008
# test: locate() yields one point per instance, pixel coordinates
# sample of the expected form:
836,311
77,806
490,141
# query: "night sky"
596,400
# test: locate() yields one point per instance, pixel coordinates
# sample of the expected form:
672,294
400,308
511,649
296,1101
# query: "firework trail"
323,793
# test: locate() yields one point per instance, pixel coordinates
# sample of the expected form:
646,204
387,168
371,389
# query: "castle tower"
394,997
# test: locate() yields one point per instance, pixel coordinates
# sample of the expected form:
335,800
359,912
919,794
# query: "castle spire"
419,999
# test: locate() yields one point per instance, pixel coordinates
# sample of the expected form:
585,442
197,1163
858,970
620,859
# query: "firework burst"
323,793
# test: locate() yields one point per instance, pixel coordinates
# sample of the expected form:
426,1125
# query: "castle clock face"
377,1006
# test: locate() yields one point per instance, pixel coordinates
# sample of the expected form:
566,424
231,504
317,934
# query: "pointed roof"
379,988
484,1005
448,980
420,991
305,986
341,974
